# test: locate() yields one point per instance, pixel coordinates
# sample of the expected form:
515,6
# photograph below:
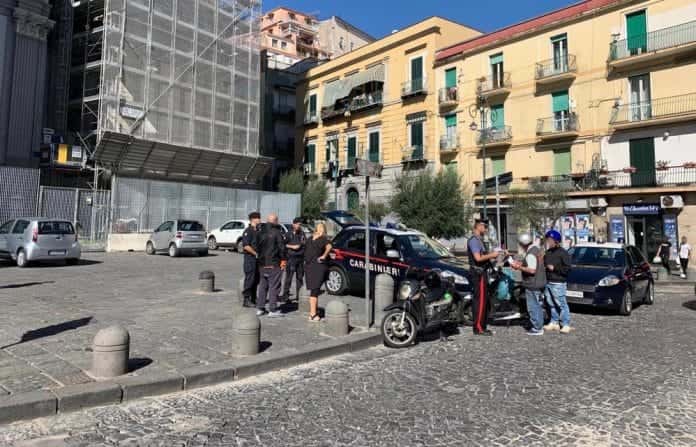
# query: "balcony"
366,101
654,112
448,97
414,87
495,136
493,86
412,154
556,70
449,143
556,128
334,111
311,118
666,43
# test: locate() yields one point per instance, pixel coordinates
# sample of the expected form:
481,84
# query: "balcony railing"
365,101
311,118
653,41
449,143
448,95
654,109
413,153
556,125
333,111
494,135
556,67
493,84
414,87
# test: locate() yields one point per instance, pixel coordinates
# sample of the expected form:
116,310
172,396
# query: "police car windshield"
424,247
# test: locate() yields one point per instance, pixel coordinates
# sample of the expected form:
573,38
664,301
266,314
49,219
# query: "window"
23,224
167,226
636,33
417,74
640,102
310,156
561,162
416,139
385,242
313,105
560,53
331,149
292,16
283,45
352,45
498,165
340,43
497,71
274,43
497,116
356,242
373,146
189,225
642,157
351,150
451,130
52,227
353,199
233,226
451,77
5,228
561,110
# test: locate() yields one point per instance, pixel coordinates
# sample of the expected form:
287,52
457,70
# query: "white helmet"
524,239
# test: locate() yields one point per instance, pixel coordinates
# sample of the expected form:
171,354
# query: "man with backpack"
533,281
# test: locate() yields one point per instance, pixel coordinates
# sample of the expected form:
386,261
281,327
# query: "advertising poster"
568,231
670,227
616,229
582,228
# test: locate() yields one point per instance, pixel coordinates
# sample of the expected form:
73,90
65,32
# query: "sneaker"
275,314
566,330
535,332
683,276
260,312
552,327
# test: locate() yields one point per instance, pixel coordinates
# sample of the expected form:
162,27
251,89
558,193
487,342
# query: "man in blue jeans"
557,262
533,281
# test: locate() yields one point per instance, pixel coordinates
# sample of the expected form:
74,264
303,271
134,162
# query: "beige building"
338,37
598,98
377,102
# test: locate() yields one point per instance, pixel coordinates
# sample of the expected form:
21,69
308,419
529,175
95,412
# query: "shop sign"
642,209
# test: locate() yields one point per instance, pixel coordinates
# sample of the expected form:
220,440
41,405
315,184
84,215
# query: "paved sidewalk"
50,315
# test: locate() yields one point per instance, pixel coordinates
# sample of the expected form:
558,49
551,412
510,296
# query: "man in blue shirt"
479,259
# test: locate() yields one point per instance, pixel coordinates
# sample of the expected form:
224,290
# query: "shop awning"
126,155
333,91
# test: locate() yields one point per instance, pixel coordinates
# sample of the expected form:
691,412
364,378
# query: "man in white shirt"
684,255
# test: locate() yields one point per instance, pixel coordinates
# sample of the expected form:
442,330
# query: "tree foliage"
539,207
314,199
433,204
377,211
292,182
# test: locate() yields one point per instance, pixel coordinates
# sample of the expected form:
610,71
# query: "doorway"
646,233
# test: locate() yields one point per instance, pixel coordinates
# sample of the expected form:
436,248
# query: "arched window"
353,199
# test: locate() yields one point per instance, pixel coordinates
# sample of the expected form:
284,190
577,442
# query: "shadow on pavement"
137,363
691,305
51,330
25,284
81,262
264,346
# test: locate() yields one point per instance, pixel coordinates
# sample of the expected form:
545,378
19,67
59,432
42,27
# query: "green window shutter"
560,101
561,162
313,105
636,32
642,156
498,116
310,158
451,121
417,140
416,74
352,151
497,59
374,147
498,164
451,77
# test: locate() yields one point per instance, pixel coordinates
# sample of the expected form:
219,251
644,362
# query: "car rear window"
189,225
597,256
56,227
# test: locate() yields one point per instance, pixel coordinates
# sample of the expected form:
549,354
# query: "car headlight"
405,290
458,279
608,281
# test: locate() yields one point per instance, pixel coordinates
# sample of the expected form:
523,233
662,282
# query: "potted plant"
630,170
662,165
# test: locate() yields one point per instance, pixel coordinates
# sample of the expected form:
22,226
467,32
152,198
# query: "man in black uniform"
295,243
479,259
272,261
251,270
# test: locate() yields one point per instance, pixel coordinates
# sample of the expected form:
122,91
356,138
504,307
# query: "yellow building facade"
377,102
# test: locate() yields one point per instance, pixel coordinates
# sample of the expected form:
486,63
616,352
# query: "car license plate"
574,294
56,253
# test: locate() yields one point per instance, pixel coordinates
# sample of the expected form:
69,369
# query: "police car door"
354,258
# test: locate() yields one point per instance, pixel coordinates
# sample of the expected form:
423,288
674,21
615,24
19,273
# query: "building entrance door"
636,232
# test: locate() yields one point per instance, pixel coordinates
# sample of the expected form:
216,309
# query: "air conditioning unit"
598,202
672,202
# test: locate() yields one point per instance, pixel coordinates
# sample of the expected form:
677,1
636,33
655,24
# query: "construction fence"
140,205
19,191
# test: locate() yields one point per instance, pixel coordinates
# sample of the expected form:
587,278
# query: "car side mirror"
393,254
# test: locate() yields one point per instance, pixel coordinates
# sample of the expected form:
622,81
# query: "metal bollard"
207,280
336,319
303,301
246,333
110,352
384,295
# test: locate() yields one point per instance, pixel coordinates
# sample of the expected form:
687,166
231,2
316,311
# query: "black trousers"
684,264
295,268
251,280
480,302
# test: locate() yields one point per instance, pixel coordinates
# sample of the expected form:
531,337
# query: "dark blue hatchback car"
610,275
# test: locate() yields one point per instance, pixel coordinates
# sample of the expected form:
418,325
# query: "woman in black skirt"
316,253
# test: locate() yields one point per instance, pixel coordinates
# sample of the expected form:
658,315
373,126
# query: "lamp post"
480,109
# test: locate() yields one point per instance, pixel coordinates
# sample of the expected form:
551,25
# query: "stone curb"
37,404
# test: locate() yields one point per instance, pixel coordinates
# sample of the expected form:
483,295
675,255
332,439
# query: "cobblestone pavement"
615,381
50,314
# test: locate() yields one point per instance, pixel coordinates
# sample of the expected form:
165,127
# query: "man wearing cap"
479,259
251,270
557,262
295,243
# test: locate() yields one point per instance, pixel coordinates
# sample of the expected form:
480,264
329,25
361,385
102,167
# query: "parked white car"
228,234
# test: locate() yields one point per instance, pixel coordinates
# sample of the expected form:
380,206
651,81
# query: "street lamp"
480,109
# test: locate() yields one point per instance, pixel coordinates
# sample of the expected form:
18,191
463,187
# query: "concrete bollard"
246,333
384,294
110,352
303,301
336,319
207,280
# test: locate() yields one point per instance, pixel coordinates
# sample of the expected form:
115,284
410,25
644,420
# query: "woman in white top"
684,255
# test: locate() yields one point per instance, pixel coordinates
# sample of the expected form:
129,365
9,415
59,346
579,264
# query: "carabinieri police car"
392,252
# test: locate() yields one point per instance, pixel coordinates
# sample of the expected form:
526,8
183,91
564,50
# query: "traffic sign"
503,179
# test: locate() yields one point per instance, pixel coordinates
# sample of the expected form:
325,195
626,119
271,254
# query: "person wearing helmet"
557,262
533,280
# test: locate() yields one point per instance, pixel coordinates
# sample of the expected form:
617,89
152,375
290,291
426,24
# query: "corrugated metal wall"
19,192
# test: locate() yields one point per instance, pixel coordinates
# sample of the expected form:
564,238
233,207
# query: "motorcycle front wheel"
399,329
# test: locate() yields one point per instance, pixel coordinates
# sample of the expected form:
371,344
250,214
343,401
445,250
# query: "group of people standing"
269,254
544,278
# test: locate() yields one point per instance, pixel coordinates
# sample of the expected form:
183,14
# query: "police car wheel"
336,282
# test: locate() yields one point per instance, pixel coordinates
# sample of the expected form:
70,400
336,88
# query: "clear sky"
380,17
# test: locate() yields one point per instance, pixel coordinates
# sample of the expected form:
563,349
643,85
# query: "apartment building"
597,98
339,37
376,102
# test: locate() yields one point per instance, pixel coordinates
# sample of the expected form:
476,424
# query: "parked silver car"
178,237
30,239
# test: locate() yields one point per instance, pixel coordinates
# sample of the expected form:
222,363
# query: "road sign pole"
368,307
497,210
